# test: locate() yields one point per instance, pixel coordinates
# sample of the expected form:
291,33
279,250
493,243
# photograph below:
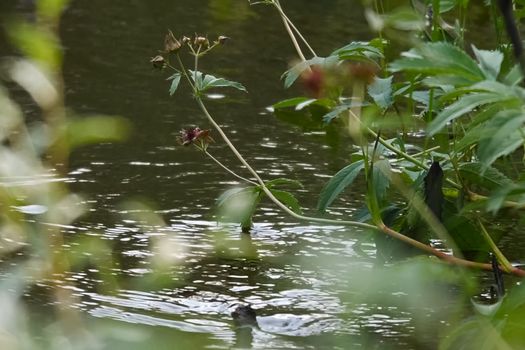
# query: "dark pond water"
290,271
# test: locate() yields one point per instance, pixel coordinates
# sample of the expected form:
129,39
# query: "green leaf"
291,75
338,183
381,91
205,82
381,178
464,105
503,134
465,234
239,204
283,182
439,58
500,195
175,80
478,174
514,76
288,199
489,62
291,102
359,50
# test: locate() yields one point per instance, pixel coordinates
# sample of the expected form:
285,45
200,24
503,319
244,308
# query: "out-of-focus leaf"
291,75
51,9
239,204
516,192
478,174
288,199
381,91
338,183
95,129
37,44
175,80
35,81
404,19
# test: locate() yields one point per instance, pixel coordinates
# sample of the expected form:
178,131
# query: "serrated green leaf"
503,134
175,80
464,105
489,62
338,183
439,58
486,177
288,199
381,91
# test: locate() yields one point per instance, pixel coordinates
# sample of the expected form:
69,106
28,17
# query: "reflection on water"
281,269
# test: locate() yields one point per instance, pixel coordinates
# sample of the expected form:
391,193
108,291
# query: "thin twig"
228,169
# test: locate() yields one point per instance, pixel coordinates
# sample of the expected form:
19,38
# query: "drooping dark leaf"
338,183
433,189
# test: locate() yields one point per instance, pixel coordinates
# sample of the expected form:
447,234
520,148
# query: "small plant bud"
158,62
222,39
185,40
363,71
200,41
171,44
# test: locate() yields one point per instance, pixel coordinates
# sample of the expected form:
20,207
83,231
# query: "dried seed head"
222,39
185,40
171,44
158,62
201,41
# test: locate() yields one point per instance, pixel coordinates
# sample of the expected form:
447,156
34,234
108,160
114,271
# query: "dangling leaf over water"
338,183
